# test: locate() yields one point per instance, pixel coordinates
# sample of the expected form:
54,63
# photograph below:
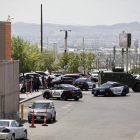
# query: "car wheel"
25,135
23,90
123,93
13,137
86,88
64,98
54,118
76,99
137,88
47,96
106,94
29,121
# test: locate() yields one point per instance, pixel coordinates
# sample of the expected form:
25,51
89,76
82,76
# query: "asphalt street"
90,118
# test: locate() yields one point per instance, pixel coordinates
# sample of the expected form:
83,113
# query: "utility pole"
110,61
66,35
41,31
83,45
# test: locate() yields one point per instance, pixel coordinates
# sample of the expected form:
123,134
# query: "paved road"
91,118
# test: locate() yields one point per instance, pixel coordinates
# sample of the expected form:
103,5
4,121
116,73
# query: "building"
5,40
9,75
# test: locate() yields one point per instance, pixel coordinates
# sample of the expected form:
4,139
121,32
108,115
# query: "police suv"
63,91
110,89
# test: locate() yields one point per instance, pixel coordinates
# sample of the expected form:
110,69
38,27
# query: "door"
56,92
3,115
90,84
16,130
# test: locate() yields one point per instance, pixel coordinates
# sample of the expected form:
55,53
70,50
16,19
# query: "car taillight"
6,131
73,83
83,83
71,91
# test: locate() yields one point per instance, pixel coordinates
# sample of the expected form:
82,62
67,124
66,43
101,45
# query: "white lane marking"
64,107
68,105
67,111
136,137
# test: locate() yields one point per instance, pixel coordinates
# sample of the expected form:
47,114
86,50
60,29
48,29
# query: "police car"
110,89
64,92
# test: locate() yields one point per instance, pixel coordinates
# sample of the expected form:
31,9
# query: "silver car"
11,130
39,108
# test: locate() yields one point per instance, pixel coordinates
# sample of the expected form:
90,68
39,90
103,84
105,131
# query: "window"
17,124
13,124
41,105
121,77
4,123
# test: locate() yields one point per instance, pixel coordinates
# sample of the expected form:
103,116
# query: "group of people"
35,83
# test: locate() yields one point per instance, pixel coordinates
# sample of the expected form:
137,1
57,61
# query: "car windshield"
106,85
58,78
40,105
95,72
4,123
71,88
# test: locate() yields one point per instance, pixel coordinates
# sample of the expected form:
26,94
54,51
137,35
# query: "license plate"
95,91
38,117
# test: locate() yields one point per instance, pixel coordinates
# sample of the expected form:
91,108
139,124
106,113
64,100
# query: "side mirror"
30,107
20,125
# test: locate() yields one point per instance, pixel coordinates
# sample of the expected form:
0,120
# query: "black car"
84,83
62,80
110,89
64,92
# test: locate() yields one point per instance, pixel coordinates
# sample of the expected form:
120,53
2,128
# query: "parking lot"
100,118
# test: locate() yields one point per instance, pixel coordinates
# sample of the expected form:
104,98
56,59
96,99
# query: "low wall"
9,89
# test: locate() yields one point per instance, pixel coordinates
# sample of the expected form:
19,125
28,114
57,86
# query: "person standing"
49,80
37,83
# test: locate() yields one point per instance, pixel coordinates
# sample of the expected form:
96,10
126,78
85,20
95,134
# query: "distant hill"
53,30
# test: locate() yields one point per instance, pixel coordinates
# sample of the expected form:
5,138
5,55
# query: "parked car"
39,107
111,88
62,80
63,91
94,78
84,75
74,76
84,83
11,130
42,73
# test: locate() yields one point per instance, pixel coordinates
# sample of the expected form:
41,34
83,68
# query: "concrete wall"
9,89
5,40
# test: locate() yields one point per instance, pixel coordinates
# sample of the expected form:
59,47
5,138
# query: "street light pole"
66,35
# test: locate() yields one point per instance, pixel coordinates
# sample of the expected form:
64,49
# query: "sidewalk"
23,97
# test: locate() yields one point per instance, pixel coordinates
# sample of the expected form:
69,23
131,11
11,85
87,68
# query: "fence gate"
2,106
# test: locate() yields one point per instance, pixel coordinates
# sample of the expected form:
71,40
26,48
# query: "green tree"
83,60
135,70
47,61
26,54
65,58
90,60
73,64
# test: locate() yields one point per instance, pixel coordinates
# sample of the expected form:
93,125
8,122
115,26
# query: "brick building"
5,40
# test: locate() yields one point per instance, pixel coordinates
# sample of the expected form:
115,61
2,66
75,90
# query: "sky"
71,12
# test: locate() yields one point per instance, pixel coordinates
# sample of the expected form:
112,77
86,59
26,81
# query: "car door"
20,129
89,82
56,92
117,88
16,130
52,109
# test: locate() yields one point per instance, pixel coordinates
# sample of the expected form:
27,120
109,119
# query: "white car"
11,130
39,107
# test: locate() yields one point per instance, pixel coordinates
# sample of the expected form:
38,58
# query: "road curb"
22,101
